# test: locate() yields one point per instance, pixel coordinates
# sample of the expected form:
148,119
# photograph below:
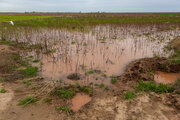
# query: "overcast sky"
90,5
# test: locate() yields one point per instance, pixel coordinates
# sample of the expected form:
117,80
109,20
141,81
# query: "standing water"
106,49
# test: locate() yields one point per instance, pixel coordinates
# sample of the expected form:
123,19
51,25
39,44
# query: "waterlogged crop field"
6,18
82,64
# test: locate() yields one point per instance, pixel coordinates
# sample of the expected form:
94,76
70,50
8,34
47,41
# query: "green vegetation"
82,20
90,72
152,86
64,93
30,71
28,100
6,42
104,75
69,92
151,73
113,80
86,89
130,95
48,100
4,18
35,61
73,42
66,109
3,90
27,82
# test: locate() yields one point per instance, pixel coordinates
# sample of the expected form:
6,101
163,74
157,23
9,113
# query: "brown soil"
144,69
105,105
6,58
79,101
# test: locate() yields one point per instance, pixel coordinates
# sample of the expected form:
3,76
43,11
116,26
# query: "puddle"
106,48
79,101
165,78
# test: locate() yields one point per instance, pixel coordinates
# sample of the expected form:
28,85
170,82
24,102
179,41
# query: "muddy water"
105,48
165,78
79,101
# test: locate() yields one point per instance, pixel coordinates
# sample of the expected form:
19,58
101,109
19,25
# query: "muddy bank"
103,104
144,69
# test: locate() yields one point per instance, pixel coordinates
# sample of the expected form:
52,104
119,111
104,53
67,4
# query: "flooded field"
91,67
96,55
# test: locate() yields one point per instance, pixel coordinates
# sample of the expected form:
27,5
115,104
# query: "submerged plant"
36,61
90,72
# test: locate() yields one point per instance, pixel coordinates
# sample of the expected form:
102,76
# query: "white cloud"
90,5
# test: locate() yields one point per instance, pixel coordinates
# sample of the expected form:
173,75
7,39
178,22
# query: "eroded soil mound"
144,69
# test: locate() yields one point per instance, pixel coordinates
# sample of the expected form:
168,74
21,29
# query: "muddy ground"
105,104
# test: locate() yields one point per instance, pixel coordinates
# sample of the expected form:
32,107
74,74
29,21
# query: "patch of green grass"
83,20
28,100
66,109
73,42
6,42
152,86
130,95
30,56
86,89
64,93
30,71
35,61
47,100
3,90
4,18
90,72
27,82
113,80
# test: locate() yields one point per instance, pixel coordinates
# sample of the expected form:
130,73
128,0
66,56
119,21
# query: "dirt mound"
143,69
